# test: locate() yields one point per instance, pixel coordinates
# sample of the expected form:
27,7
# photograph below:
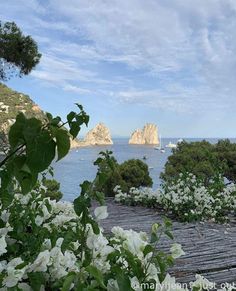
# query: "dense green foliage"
203,159
33,146
135,174
50,188
226,152
11,102
131,173
18,53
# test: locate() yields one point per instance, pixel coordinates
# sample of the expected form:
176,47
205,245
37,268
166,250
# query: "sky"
129,62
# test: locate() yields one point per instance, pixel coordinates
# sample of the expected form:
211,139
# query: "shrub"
135,173
227,154
49,188
202,159
131,173
187,198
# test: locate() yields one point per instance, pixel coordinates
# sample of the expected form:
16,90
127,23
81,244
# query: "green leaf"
85,187
79,205
95,226
86,119
97,274
167,222
40,152
71,116
31,129
102,178
63,143
49,116
99,196
56,120
123,281
148,249
80,106
36,280
169,234
16,131
154,237
67,283
98,161
74,128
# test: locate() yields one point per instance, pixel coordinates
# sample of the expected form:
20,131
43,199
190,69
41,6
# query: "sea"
78,166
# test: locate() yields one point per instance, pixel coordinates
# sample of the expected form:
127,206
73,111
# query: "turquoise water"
78,166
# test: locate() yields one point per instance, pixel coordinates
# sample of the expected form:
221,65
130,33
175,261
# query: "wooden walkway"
210,248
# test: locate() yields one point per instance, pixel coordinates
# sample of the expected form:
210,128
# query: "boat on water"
160,148
171,145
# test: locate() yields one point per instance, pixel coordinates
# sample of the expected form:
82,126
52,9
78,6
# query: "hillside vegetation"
11,103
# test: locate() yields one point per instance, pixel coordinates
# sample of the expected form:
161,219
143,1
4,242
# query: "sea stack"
99,135
148,135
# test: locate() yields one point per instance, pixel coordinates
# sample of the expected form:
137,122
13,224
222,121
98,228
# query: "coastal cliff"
11,103
148,135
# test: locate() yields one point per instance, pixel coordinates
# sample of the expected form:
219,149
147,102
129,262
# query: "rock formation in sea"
147,135
99,135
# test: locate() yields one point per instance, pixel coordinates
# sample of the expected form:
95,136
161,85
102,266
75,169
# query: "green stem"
10,155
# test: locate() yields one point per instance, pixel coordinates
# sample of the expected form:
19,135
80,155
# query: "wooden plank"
210,248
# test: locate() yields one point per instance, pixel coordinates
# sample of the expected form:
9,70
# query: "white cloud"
76,89
186,47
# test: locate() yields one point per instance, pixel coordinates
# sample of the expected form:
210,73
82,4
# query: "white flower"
13,275
202,283
169,284
5,215
3,245
41,262
38,220
3,265
135,285
112,285
47,244
176,251
101,212
24,287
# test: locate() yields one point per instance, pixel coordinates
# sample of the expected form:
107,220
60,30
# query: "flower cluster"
44,245
187,198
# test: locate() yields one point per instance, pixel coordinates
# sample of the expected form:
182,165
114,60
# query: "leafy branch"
34,144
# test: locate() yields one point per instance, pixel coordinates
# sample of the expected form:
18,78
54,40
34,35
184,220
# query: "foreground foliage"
187,198
54,245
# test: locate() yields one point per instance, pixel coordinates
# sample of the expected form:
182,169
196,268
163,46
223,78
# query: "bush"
186,198
49,188
131,173
203,159
227,154
135,173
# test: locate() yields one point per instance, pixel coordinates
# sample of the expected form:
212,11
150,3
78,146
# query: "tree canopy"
203,159
131,173
18,53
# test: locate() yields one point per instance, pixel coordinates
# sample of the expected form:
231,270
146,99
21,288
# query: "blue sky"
170,62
